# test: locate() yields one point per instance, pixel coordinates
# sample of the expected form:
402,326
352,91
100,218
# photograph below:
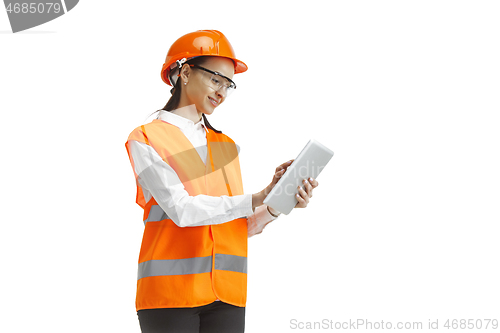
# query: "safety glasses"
217,81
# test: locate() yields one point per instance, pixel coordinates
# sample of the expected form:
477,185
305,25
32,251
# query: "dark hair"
173,102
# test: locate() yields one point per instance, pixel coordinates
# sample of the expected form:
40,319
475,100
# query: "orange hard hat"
199,43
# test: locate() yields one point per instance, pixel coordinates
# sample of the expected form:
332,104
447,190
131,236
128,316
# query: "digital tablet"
310,162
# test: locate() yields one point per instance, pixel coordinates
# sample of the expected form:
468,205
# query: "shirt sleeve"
159,180
258,221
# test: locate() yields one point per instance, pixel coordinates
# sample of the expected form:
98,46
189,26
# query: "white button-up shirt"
157,179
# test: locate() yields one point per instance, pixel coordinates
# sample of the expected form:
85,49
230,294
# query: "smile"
213,101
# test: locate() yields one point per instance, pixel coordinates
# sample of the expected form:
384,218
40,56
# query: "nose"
222,93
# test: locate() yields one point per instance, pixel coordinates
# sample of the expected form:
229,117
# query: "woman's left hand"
305,195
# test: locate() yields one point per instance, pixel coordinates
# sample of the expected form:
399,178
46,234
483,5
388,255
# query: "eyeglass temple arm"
216,73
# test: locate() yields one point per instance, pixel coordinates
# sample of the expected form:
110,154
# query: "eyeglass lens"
218,83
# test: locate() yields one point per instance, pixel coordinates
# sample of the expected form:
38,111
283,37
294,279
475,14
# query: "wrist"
273,212
257,199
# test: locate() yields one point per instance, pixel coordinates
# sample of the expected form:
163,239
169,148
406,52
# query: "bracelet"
272,213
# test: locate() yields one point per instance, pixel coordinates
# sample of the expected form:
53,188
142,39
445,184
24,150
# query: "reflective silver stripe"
225,262
228,262
175,267
156,214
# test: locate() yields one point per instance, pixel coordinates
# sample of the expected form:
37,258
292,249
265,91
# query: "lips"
213,101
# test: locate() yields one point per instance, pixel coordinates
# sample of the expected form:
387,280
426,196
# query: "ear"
185,73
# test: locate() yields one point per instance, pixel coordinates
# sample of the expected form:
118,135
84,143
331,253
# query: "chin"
209,110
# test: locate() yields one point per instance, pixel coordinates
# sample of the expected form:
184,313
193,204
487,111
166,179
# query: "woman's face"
197,91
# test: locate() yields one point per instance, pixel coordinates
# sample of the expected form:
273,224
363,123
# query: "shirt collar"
183,123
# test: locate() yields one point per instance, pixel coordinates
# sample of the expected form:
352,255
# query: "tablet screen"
309,163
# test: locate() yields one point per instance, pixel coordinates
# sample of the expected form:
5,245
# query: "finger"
307,184
284,165
300,202
313,182
306,190
309,188
276,177
304,195
303,200
280,173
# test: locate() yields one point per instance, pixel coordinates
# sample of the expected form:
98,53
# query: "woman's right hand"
258,198
280,170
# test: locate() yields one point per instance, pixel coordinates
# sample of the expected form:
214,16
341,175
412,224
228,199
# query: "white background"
403,225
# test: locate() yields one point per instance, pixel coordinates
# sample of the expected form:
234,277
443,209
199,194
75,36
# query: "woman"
193,258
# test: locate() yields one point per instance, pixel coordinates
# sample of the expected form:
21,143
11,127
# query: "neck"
189,112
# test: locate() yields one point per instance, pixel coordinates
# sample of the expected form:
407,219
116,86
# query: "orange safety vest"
191,266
